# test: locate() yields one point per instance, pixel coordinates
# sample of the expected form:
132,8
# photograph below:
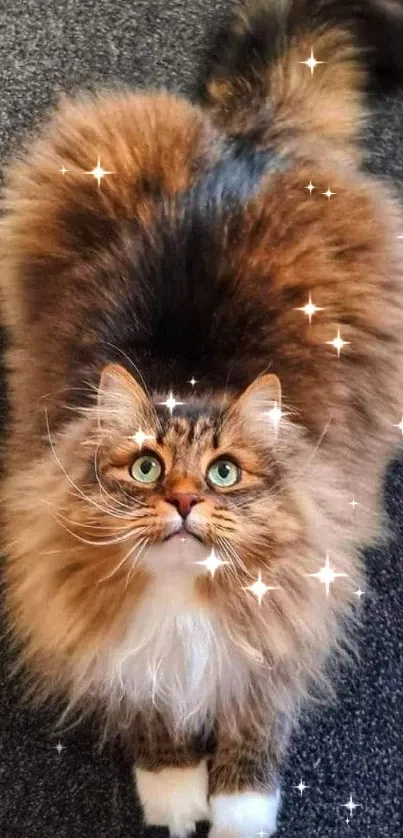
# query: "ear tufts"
263,391
121,399
257,402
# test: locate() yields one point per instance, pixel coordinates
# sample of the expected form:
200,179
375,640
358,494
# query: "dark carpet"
61,787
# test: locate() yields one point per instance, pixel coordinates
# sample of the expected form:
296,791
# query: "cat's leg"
171,777
244,781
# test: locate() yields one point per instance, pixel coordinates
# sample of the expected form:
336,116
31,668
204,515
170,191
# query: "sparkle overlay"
338,342
327,575
193,381
259,589
274,414
329,193
301,787
212,563
311,62
140,437
63,170
98,172
400,425
310,187
59,748
351,806
310,308
171,403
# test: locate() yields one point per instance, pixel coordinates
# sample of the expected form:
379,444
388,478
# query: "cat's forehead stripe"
190,422
189,411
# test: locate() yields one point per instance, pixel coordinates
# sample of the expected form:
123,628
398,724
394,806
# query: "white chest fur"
175,656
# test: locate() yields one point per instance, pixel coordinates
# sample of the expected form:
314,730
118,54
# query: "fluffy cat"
185,442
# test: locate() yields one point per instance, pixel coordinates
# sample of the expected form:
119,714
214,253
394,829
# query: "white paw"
174,797
244,815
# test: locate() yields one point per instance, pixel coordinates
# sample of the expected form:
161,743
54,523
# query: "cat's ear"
259,406
121,399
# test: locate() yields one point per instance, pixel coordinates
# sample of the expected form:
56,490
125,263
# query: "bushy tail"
259,87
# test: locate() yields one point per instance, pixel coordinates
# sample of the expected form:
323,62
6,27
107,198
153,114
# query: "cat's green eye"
146,469
223,473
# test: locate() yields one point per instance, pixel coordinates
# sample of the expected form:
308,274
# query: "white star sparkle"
329,193
311,62
261,834
259,589
274,414
59,748
310,187
212,563
354,503
301,787
98,172
310,309
63,170
140,438
171,403
327,575
338,342
351,806
400,425
193,381
359,593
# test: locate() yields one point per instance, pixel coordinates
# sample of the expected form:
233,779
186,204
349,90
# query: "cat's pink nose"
183,501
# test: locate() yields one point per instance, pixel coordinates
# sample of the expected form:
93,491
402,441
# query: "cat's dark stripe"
189,317
191,432
235,178
191,411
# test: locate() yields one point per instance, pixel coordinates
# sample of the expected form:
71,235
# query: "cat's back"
134,229
126,231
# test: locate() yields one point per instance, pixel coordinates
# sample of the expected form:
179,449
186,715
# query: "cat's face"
175,485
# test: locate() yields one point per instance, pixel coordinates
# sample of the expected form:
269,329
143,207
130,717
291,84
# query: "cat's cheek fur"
244,814
174,797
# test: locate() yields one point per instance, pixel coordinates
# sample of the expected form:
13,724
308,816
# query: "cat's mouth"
183,534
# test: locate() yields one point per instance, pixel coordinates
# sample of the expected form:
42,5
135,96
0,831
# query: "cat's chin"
181,551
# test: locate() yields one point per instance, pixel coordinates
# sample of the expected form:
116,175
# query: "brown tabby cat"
187,436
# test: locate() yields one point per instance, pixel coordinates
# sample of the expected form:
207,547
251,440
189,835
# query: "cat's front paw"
244,815
174,797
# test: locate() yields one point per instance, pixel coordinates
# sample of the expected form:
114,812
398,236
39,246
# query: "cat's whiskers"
139,543
140,546
97,543
106,510
70,480
95,525
231,567
131,362
223,403
233,556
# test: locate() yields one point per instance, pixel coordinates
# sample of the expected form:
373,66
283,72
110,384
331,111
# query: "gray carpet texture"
61,786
